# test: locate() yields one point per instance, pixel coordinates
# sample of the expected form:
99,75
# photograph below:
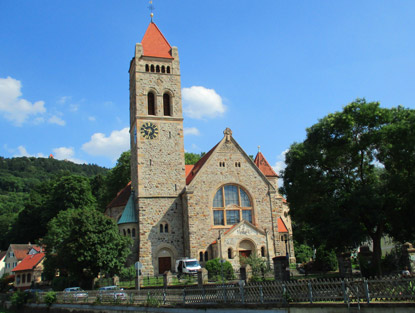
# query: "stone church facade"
226,205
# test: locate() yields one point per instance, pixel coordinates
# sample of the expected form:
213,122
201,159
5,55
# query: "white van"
187,266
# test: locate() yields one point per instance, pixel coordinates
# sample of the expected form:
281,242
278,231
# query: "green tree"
46,201
81,243
192,158
397,154
215,270
118,177
258,265
333,181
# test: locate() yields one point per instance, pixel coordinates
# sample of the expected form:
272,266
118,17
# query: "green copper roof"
129,215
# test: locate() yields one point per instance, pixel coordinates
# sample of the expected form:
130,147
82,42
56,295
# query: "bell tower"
157,150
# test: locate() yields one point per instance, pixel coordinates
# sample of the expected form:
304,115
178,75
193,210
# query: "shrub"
214,269
326,260
258,266
303,253
50,298
19,299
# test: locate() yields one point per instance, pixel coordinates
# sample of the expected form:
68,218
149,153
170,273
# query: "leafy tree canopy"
335,181
192,158
83,242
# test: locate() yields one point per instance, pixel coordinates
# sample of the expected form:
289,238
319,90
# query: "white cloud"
64,99
92,118
191,131
200,102
110,147
56,120
280,164
66,153
22,152
12,106
74,107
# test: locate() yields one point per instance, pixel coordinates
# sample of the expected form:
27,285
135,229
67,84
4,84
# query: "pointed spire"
264,166
154,43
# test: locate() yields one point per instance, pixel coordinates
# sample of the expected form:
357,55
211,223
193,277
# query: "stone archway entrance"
246,248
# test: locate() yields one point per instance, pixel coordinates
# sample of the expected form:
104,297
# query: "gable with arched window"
231,204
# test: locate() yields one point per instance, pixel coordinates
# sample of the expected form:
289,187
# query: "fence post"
344,292
241,291
366,285
284,295
224,293
310,292
184,296
164,296
261,294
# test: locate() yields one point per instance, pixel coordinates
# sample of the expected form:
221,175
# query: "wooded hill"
19,176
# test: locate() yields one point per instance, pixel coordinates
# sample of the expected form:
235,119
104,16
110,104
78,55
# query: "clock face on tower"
149,130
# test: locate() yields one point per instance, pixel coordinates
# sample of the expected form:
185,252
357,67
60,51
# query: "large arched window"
166,104
151,103
231,204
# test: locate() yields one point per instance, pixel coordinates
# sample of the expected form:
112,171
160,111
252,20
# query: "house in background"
29,270
2,264
16,253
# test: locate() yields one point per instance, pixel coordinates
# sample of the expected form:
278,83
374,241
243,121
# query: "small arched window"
166,228
147,68
229,253
168,69
133,232
152,68
263,252
129,232
200,256
29,277
151,103
125,234
163,69
206,256
158,69
166,104
23,278
161,228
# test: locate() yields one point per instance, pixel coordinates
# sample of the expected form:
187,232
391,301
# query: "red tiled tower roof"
154,43
264,166
29,262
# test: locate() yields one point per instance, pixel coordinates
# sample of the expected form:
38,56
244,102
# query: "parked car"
112,293
75,293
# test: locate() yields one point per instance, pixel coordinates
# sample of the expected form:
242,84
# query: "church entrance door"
164,264
245,253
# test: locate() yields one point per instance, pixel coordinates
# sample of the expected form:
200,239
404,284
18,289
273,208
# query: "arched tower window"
168,69
231,204
163,69
133,231
263,251
151,103
147,68
229,253
200,256
166,104
152,67
158,69
206,256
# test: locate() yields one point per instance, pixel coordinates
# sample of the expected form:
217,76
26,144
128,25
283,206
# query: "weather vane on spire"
151,8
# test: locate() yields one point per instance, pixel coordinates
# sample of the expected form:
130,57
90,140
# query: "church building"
226,205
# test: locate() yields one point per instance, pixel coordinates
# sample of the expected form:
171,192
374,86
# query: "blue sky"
266,69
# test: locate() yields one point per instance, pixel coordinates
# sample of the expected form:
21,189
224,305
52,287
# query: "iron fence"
376,289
